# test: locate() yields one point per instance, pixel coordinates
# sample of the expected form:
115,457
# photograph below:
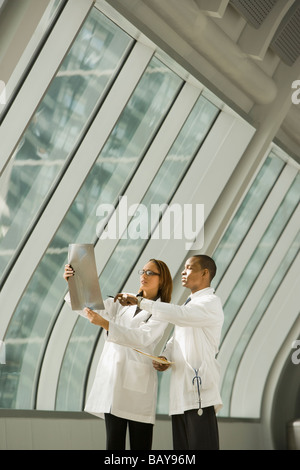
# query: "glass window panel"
246,214
108,179
56,128
260,255
228,247
161,190
91,64
124,257
253,322
43,298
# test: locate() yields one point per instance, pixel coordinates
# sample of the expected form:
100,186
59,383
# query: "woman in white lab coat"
124,391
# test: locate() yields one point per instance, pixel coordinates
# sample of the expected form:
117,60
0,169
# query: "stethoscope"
197,378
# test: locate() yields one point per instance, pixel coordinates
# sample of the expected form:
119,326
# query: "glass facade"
58,127
42,156
235,234
246,214
128,249
107,181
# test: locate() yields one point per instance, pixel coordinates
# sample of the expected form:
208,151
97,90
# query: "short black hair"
206,262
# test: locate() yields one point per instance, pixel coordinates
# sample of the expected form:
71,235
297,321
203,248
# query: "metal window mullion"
196,187
73,178
152,161
252,375
29,55
254,235
256,293
63,327
53,358
40,76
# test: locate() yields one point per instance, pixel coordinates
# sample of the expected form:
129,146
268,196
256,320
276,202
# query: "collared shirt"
193,346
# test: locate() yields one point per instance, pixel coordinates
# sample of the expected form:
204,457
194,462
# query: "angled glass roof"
47,147
135,125
275,191
56,129
128,249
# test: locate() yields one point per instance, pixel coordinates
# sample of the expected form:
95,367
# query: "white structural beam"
63,327
73,179
214,8
203,35
252,375
152,161
255,233
204,174
257,292
255,42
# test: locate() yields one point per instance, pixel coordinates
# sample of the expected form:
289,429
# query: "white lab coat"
194,345
125,383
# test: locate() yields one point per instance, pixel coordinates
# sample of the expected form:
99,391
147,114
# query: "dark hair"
206,262
165,281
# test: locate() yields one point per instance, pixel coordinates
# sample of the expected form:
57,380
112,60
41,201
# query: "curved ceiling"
239,48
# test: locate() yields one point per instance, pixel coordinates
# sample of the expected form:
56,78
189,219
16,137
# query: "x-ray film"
84,286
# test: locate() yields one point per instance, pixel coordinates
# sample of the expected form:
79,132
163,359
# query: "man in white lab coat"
194,387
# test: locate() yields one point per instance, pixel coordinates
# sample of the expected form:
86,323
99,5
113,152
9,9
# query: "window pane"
59,122
44,295
238,229
116,164
161,191
260,255
124,257
56,128
246,214
252,324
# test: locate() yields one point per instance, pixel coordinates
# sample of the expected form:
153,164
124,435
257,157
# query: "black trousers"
140,434
194,432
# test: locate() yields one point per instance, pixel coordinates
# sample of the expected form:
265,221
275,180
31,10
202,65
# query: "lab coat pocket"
137,376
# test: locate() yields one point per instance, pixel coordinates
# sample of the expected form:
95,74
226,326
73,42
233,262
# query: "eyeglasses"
148,273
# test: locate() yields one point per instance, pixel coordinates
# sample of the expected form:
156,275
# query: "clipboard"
84,287
154,358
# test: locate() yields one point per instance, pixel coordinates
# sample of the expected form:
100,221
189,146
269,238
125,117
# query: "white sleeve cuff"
146,304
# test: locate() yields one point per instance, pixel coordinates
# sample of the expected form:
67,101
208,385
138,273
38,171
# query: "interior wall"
24,430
